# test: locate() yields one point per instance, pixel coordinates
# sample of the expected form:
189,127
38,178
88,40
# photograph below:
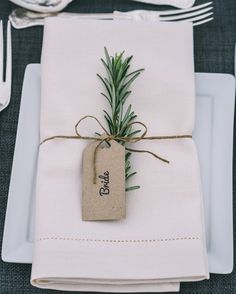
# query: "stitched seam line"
116,240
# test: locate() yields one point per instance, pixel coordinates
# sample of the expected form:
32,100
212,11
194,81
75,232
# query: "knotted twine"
106,137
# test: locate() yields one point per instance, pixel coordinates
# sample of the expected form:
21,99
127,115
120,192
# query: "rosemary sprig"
117,84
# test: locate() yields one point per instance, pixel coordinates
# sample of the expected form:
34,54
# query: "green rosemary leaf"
121,75
117,83
132,188
134,133
109,124
127,61
109,83
108,99
108,116
127,163
104,83
127,113
108,70
134,72
129,82
118,62
130,175
107,57
127,156
127,169
123,99
128,118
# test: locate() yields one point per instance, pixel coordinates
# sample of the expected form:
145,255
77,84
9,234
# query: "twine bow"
106,137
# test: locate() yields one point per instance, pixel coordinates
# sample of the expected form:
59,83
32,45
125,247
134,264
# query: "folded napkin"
161,241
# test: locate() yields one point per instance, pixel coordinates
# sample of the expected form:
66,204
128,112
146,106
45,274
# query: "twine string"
106,137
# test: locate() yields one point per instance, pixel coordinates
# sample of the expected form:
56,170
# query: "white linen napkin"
161,242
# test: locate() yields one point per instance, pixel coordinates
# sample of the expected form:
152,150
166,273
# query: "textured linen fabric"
214,52
164,247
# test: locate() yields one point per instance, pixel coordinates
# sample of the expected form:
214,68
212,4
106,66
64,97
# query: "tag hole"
105,145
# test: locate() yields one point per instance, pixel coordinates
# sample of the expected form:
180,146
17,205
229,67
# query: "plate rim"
14,256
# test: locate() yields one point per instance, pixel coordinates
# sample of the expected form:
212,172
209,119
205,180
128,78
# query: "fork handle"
149,15
176,3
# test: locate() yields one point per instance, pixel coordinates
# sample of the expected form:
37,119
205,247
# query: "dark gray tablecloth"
214,52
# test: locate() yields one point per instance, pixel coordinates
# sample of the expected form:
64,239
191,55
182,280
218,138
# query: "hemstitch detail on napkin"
116,240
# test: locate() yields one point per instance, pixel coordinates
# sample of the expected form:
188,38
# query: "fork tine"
1,51
197,23
186,15
200,17
9,56
179,11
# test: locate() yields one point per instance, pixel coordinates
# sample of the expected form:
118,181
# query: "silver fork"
5,85
197,15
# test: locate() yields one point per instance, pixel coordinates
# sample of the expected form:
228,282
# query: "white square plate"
214,138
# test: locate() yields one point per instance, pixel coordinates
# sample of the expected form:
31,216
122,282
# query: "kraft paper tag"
104,200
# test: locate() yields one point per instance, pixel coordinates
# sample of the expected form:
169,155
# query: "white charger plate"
214,138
